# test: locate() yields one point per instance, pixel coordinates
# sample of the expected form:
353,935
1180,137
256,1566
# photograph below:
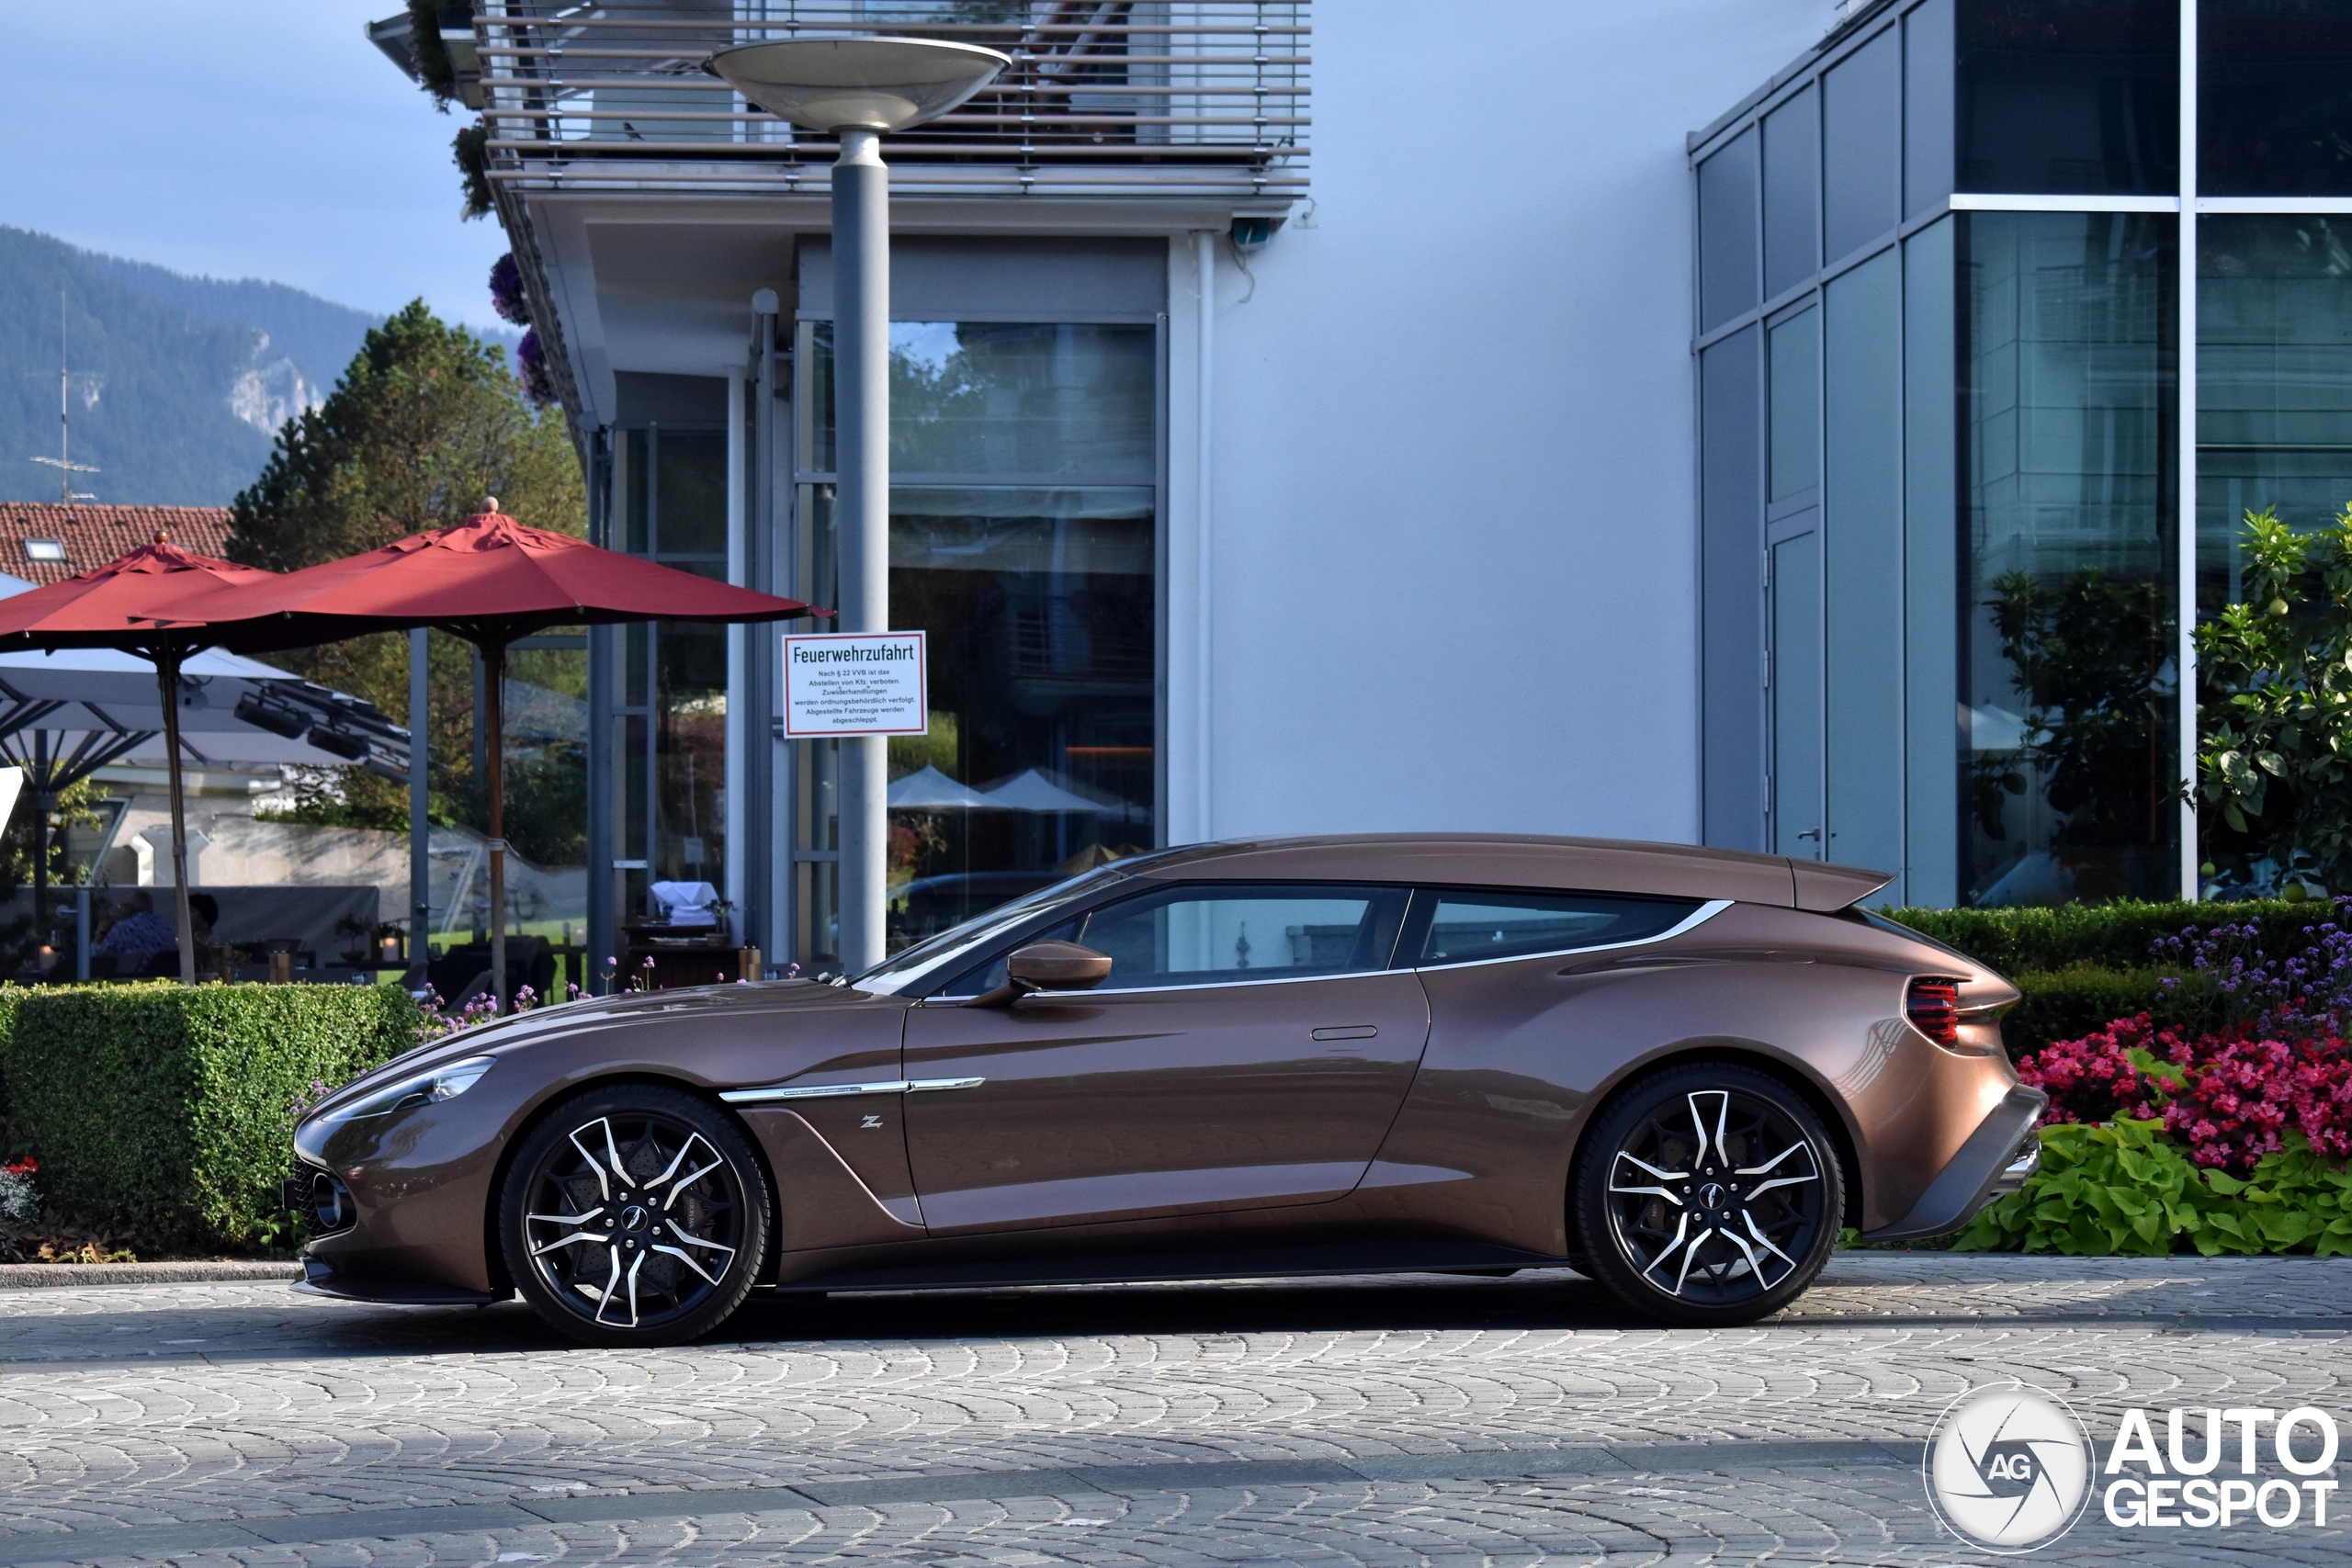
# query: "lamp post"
857,89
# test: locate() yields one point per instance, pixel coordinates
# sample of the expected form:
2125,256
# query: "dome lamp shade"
832,84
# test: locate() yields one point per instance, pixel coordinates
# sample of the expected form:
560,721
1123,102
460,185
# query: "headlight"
446,1082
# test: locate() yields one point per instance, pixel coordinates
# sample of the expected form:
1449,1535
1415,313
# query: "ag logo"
2008,1468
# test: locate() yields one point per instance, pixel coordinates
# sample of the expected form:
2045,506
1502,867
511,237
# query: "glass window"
690,751
1926,107
1210,935
2067,638
1862,564
1024,539
1470,926
1039,603
1795,412
2273,97
1796,695
2069,97
1046,400
1861,146
2273,382
671,794
1792,194
1931,543
1727,232
690,492
1731,537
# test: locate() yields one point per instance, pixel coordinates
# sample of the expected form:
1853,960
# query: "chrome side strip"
834,1090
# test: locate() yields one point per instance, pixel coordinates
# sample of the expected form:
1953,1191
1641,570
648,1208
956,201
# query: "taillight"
1934,1009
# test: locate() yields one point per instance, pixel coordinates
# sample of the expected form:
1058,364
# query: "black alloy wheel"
634,1215
1708,1194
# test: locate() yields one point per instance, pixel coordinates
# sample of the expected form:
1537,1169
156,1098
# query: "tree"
2273,749
426,422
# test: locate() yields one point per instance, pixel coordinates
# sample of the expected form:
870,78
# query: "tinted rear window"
1471,925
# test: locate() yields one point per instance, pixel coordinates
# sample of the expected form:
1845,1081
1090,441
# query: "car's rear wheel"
634,1215
1708,1194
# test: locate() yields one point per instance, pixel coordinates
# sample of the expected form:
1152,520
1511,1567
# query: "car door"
1249,1049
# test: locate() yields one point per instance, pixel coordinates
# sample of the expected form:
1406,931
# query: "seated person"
203,914
137,933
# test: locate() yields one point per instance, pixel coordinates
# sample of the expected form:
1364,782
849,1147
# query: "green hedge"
2066,1004
159,1111
2112,936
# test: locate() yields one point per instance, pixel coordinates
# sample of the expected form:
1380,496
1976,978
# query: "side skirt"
1157,1264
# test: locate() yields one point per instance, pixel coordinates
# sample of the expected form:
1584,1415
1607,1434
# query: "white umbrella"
931,790
1030,790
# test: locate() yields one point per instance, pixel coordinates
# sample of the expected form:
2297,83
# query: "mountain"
179,383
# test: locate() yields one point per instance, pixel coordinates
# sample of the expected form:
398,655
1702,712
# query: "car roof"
1512,859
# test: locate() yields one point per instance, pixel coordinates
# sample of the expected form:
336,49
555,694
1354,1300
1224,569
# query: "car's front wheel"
1708,1194
634,1214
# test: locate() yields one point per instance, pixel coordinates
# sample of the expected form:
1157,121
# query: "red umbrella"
133,602
489,579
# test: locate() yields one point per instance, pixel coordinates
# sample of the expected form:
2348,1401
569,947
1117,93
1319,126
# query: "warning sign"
854,684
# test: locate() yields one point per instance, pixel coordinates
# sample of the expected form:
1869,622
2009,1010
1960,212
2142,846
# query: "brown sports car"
1677,1070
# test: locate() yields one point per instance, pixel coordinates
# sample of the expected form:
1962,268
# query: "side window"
1468,925
1218,933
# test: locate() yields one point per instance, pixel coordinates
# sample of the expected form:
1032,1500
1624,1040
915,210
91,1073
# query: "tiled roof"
92,536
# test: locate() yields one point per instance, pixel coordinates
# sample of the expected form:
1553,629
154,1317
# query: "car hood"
543,1025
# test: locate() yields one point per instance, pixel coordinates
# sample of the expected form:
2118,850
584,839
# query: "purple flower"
531,359
506,291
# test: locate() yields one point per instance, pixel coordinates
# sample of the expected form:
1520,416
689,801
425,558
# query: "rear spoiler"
1825,888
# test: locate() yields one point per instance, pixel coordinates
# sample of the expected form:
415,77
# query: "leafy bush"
2117,935
2274,744
159,1111
2124,1188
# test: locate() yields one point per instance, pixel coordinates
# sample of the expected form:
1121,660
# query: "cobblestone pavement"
1396,1423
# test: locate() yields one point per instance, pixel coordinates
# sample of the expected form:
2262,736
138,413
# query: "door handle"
1347,1032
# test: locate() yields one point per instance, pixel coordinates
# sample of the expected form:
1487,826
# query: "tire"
1708,1194
634,1214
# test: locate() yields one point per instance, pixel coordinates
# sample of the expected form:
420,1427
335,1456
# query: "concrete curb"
25,1276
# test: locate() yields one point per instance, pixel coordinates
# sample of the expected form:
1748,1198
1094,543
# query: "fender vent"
1933,1007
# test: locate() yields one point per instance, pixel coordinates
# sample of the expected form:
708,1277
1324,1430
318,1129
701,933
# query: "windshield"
893,976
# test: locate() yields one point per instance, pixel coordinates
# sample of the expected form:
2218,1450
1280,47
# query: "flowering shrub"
531,360
2228,1100
2300,995
2095,1079
20,1198
506,291
2235,1106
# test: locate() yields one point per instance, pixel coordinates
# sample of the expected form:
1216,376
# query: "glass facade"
2273,97
2068,96
1024,539
2274,383
1954,475
2068,636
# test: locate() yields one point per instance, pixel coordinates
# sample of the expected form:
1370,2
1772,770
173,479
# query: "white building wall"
1452,580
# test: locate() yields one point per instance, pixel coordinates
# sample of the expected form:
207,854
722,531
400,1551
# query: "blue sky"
265,139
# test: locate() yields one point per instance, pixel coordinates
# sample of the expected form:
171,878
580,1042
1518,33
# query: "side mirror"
1047,967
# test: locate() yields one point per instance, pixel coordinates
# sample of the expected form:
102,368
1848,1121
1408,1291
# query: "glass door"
1795,590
